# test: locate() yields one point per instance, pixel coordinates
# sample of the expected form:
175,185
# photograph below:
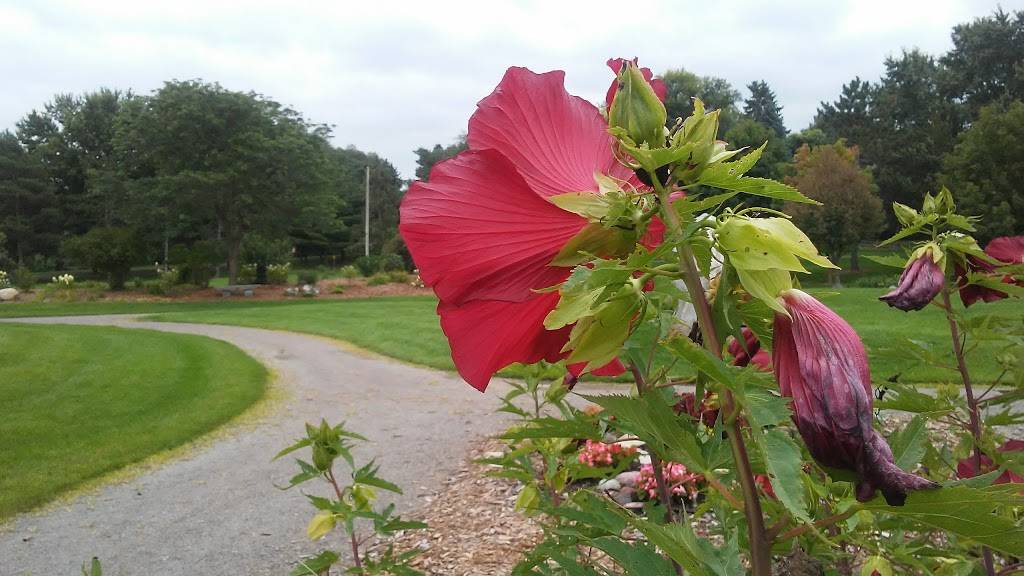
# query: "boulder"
8,294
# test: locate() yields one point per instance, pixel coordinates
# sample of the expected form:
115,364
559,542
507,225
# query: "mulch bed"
473,527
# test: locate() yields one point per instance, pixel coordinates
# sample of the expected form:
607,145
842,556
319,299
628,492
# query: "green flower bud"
637,110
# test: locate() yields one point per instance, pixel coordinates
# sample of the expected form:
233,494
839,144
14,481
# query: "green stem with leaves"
656,465
760,551
972,403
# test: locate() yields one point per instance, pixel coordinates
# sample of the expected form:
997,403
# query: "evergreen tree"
762,107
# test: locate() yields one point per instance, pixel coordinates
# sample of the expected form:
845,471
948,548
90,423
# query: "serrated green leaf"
783,460
721,176
316,565
636,559
908,443
652,419
367,475
967,512
701,359
876,564
548,427
764,408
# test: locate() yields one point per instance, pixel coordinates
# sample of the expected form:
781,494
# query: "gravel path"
216,510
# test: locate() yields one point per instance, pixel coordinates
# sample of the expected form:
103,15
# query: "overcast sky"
394,76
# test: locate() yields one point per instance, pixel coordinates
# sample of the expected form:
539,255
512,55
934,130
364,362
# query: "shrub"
278,273
337,289
367,265
378,279
23,279
5,280
111,251
196,263
391,263
398,277
349,272
247,274
65,281
154,287
308,277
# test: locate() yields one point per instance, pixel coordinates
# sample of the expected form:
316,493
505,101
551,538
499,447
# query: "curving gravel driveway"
216,510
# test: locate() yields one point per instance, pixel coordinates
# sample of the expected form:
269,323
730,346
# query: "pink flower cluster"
681,482
596,454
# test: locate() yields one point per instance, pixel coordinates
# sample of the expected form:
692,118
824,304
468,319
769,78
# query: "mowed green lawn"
408,329
77,402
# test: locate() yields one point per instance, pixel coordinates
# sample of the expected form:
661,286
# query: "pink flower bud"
821,364
919,283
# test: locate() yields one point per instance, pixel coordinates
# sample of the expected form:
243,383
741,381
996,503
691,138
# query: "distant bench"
237,289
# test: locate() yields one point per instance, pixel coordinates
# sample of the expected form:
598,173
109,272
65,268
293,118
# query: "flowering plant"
5,280
565,231
66,281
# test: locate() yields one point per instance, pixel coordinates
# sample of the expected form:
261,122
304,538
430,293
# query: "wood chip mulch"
473,527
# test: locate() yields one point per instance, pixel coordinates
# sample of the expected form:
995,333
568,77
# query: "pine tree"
762,106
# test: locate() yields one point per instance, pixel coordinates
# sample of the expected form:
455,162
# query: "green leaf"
967,512
908,444
765,285
528,498
721,176
548,427
321,524
767,243
316,565
598,339
908,231
297,446
651,418
783,460
587,204
636,559
876,564
94,568
701,359
907,399
595,238
367,475
764,408
890,260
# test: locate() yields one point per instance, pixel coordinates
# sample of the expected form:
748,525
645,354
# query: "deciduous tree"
986,170
716,93
851,210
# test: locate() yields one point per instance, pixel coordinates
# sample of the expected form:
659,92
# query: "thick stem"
659,473
760,551
972,405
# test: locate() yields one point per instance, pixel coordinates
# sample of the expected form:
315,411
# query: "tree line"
194,174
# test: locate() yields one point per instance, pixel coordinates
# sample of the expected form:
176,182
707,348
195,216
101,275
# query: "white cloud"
393,76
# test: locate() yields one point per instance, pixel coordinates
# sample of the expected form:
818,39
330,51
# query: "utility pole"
366,223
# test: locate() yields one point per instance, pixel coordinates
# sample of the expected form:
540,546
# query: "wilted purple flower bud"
919,283
820,363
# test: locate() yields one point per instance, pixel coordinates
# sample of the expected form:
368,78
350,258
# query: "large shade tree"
851,211
986,63
717,93
986,170
239,161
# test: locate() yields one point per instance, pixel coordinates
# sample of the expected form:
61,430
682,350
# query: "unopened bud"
636,108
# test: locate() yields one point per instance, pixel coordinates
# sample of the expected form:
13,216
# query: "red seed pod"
821,364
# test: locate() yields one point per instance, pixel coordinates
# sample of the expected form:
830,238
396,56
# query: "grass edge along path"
407,328
85,404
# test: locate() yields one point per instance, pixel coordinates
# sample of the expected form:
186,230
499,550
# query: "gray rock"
624,496
610,485
628,478
8,294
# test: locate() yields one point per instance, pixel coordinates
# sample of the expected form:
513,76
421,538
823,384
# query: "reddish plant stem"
972,404
352,537
659,473
760,551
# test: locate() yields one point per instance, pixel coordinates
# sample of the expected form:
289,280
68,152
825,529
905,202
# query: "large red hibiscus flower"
483,232
1007,249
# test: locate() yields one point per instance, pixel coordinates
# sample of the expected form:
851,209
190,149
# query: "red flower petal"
657,84
487,335
1009,249
478,232
613,368
556,141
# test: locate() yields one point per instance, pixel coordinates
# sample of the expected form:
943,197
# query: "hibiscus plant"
617,241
